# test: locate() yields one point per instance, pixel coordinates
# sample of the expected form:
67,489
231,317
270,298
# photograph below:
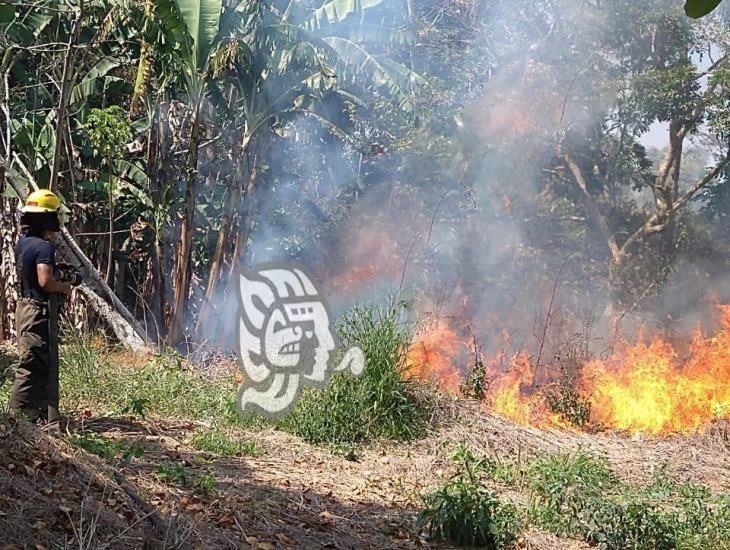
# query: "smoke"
472,215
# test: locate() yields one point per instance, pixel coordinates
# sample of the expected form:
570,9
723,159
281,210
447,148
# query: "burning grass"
641,388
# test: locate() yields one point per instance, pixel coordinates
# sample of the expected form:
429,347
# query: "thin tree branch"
66,82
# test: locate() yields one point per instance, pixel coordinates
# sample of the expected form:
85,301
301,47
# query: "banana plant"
288,60
192,27
700,8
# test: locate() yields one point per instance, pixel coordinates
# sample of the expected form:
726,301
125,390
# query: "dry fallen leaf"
286,539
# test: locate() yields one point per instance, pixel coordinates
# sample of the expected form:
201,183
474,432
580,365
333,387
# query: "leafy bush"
467,513
475,385
207,485
563,486
220,443
173,473
570,406
380,403
576,494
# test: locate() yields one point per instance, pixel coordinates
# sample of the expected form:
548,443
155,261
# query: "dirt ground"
291,494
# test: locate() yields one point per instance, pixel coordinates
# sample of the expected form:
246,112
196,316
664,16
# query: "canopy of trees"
476,148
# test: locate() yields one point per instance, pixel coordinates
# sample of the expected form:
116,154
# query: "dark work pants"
35,390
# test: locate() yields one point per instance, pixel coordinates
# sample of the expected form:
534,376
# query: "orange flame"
434,354
643,387
511,393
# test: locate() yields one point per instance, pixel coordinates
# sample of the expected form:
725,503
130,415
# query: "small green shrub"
106,448
576,494
563,486
173,473
135,406
569,405
206,486
97,445
475,385
380,403
465,512
220,443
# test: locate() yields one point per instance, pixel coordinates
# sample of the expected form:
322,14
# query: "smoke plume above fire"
492,285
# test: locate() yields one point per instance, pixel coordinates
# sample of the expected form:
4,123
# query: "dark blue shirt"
31,252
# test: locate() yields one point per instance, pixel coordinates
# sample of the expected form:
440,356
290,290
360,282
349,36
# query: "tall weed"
380,403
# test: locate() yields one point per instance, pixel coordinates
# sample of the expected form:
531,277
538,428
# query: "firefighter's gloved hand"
67,273
76,278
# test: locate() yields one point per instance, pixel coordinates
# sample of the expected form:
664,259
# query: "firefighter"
35,391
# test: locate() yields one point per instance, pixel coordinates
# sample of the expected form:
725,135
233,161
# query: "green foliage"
206,486
380,403
106,448
465,512
97,445
135,406
475,385
221,443
91,377
700,8
562,486
108,131
576,494
173,473
572,407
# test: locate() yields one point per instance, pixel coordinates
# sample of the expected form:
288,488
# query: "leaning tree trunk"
183,262
8,273
222,244
109,307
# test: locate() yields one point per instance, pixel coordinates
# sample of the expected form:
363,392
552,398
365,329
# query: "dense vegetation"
189,138
575,494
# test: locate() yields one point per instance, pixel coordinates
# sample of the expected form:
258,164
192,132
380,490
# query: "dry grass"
289,494
292,494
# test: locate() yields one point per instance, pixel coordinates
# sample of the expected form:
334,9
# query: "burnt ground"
291,494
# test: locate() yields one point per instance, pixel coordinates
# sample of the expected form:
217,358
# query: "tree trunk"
183,262
222,243
246,216
8,273
157,148
66,85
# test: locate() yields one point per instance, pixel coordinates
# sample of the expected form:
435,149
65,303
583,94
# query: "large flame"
512,392
647,388
433,356
642,388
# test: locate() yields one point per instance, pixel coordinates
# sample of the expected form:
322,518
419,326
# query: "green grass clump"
173,474
380,403
220,443
577,494
563,486
467,513
92,376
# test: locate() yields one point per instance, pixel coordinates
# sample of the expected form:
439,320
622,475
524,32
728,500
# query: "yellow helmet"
42,201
